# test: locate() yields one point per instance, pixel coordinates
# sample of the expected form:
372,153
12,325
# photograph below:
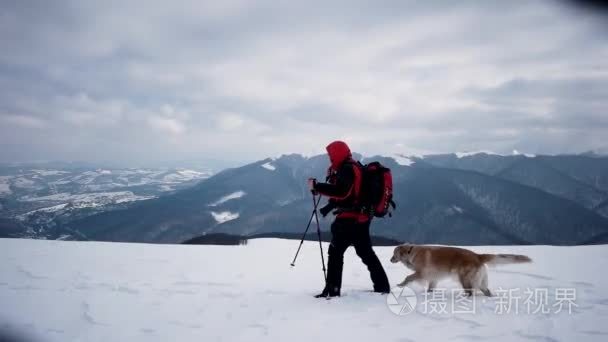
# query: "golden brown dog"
433,263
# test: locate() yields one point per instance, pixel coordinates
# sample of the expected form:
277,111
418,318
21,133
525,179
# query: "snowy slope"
44,200
79,291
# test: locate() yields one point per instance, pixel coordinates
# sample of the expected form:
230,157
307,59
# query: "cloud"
21,121
246,80
230,122
170,126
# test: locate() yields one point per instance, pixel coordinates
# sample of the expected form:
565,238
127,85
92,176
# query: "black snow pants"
346,232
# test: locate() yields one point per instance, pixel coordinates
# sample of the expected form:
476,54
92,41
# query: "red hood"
338,152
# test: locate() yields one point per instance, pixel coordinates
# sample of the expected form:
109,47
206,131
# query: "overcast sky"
164,81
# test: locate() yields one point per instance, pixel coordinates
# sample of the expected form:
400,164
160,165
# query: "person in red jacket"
351,226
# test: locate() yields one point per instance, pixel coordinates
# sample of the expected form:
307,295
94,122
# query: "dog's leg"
466,284
412,277
486,292
484,283
432,285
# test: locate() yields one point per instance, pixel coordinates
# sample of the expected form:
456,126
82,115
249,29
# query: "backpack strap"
355,188
357,182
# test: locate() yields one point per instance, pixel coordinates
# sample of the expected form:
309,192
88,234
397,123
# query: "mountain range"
38,200
470,199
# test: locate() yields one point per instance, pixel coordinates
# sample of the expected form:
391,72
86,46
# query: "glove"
326,209
311,183
329,178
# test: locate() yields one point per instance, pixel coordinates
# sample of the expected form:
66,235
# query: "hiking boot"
329,291
382,290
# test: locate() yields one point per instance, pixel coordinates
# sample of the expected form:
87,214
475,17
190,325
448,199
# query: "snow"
165,188
472,153
5,186
224,199
184,176
457,208
102,187
103,180
89,199
90,291
269,166
5,189
49,172
191,174
529,155
403,160
132,198
86,177
224,216
51,209
22,182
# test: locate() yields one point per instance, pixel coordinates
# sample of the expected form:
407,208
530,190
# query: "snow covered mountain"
43,199
579,178
73,291
478,202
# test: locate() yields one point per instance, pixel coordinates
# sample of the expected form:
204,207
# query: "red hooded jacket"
344,186
338,153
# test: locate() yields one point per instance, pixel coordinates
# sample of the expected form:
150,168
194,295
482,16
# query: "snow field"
90,291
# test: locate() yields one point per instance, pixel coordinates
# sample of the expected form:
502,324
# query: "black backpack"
376,195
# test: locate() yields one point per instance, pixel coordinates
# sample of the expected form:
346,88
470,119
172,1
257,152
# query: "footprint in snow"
263,327
25,288
471,323
274,292
436,318
230,294
82,286
128,290
54,331
472,337
178,292
188,283
29,274
86,315
535,337
593,332
217,284
176,323
531,275
583,284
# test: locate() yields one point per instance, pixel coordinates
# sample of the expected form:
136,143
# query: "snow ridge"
403,160
269,166
224,199
529,155
472,153
224,216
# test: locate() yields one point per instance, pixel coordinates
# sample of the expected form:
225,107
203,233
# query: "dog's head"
402,253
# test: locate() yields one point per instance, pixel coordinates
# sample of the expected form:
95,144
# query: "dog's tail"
503,259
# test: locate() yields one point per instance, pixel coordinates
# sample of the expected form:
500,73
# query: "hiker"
351,225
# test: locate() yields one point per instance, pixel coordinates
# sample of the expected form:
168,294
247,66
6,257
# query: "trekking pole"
315,203
320,245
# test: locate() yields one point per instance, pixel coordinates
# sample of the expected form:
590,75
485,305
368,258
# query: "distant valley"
38,200
467,199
